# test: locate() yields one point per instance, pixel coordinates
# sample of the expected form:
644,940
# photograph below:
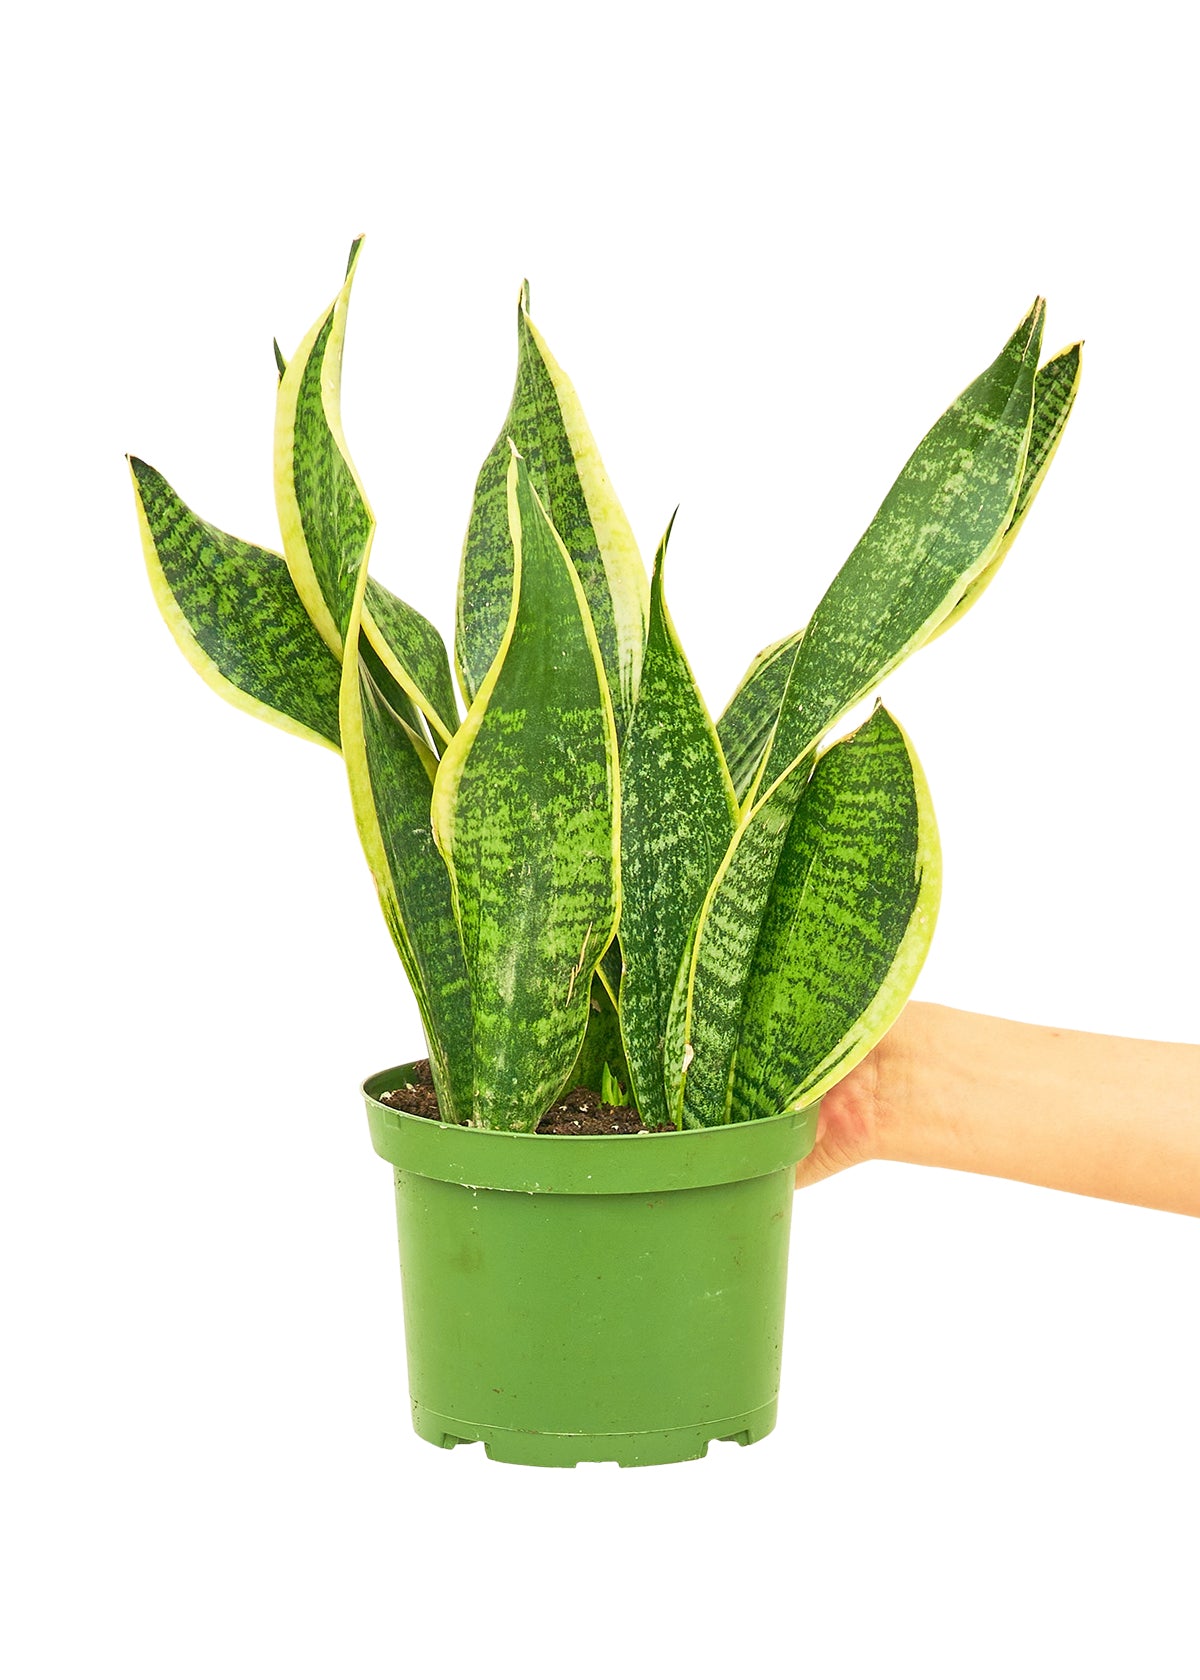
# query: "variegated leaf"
1053,398
324,517
389,767
547,426
415,655
748,721
525,813
678,814
847,926
939,526
746,724
706,1009
234,612
414,884
323,514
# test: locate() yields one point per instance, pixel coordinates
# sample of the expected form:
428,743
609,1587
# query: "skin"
1117,1118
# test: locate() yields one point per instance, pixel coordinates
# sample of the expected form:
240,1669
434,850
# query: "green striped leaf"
745,726
847,925
525,813
939,526
546,424
748,721
414,654
391,773
1053,398
706,1009
327,524
324,517
328,527
235,614
678,814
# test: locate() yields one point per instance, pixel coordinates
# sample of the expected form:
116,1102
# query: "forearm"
1111,1117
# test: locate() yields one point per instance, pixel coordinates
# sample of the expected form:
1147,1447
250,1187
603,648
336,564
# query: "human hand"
1097,1115
851,1120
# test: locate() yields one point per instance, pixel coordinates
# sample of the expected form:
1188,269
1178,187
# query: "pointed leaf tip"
354,250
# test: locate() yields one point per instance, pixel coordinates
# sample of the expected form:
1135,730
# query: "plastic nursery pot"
573,1299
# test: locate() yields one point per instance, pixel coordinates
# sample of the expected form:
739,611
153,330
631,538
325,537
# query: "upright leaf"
525,807
324,517
546,424
748,721
328,526
745,726
706,1009
1053,398
939,526
414,653
235,614
678,814
847,926
391,774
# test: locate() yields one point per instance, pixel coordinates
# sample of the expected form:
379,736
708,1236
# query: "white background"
770,244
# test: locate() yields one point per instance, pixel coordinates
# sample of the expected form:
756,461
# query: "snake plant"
586,880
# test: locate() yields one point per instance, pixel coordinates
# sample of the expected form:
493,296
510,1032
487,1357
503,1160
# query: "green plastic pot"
570,1299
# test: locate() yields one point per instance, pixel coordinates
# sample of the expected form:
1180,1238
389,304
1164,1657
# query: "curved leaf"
706,1009
328,527
235,614
1053,398
939,526
526,816
546,424
415,655
324,517
678,814
847,926
748,721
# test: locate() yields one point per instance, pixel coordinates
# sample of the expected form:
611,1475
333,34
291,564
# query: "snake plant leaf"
678,814
940,525
706,1008
327,527
747,723
326,523
526,813
235,614
1053,398
412,650
547,426
391,779
324,517
847,925
745,726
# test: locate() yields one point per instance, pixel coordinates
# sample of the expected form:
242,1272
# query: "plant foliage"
587,880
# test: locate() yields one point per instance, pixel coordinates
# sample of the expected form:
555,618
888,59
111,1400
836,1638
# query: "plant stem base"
656,1446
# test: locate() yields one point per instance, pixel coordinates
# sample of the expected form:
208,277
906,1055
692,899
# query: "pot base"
538,1447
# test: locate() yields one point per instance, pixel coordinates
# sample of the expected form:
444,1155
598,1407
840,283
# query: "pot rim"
548,1165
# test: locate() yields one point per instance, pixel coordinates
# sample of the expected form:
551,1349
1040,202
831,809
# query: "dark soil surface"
579,1114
